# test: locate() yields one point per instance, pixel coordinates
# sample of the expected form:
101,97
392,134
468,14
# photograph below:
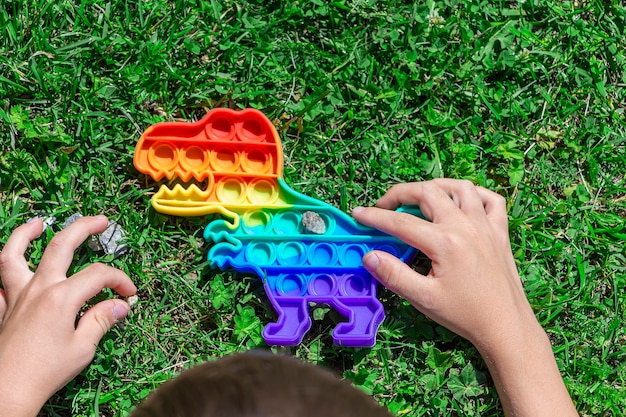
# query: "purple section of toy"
364,315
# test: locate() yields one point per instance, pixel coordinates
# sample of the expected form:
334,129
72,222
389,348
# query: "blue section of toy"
273,241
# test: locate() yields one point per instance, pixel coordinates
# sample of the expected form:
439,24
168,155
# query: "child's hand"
41,345
473,287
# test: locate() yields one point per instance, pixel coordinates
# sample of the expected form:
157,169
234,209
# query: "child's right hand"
473,288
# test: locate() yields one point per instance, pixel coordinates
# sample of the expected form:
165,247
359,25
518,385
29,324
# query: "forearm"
473,287
526,375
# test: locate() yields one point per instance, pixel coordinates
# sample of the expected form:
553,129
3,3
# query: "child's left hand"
42,347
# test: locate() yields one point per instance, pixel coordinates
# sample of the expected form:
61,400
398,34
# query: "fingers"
90,281
58,255
412,230
447,202
398,277
98,320
434,202
495,207
463,193
439,199
14,269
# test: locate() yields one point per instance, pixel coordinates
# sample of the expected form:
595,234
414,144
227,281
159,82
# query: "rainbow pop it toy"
237,156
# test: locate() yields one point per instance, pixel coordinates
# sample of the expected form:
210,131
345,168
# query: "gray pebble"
313,223
108,241
71,220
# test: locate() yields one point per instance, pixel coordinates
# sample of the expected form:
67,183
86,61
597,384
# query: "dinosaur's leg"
363,310
293,319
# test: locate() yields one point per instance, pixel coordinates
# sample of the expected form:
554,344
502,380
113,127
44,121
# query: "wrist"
512,337
526,375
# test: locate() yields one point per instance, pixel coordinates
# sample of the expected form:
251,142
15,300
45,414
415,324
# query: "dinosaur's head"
223,163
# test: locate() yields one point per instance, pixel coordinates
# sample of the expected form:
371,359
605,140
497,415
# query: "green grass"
525,98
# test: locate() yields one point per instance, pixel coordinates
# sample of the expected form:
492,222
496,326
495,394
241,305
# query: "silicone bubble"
231,191
389,248
323,285
225,159
163,156
354,285
291,284
292,253
323,254
287,223
220,128
262,192
257,160
194,158
250,130
261,253
352,254
256,221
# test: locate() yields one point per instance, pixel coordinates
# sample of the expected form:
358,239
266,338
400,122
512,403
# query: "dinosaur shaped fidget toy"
303,249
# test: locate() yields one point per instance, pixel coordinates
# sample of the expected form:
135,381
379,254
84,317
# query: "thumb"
397,276
99,319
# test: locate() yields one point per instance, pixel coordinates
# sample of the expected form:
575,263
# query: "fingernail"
33,219
120,310
371,261
357,210
101,217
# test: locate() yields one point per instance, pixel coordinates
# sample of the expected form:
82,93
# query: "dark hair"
258,384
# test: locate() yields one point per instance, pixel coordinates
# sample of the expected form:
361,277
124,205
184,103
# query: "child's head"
258,384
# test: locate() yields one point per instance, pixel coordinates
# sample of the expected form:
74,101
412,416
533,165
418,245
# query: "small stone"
132,300
313,223
108,241
71,220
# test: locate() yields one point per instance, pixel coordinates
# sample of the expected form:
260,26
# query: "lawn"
526,98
